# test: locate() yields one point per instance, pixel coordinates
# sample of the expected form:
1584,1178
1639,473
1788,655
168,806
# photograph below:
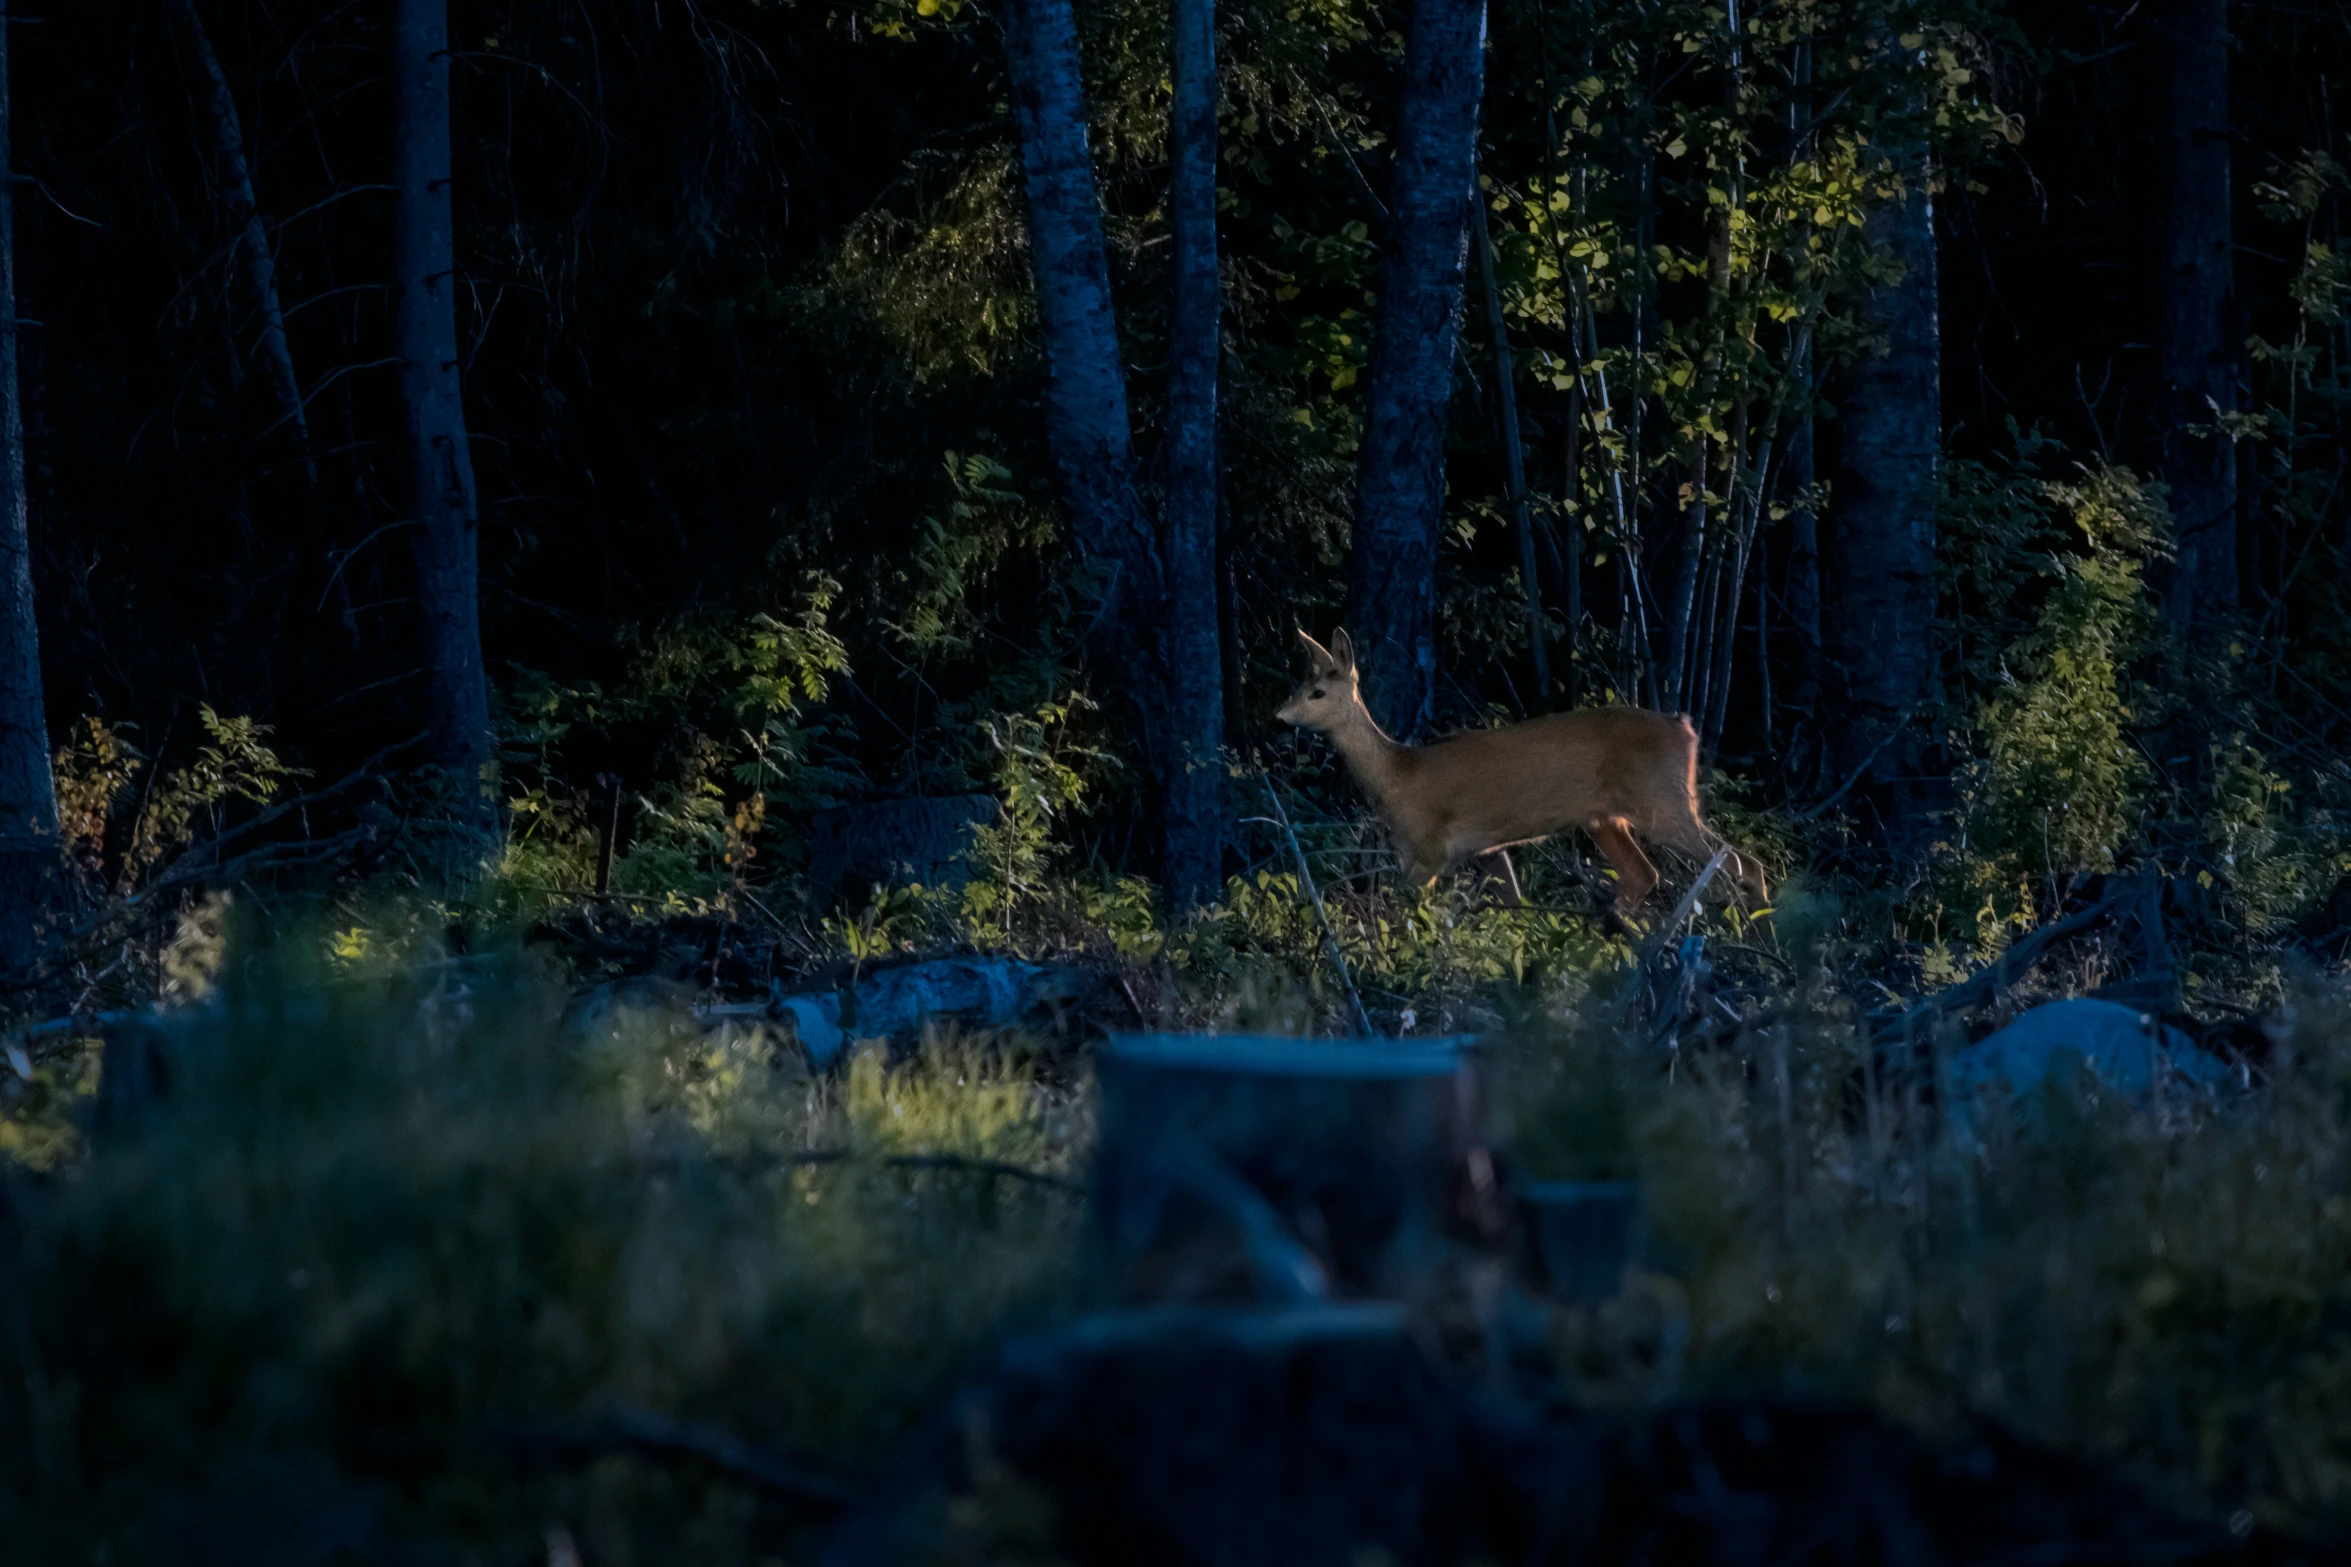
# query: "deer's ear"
1344,648
1317,652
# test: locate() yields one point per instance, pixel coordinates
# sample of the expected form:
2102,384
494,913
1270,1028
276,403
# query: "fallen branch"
2011,964
945,1161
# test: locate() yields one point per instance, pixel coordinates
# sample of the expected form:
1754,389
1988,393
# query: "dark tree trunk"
1086,396
256,268
1803,588
1514,461
1803,585
1880,604
445,517
2195,358
1194,813
1400,474
32,882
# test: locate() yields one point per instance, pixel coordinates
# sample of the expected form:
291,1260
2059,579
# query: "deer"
1612,771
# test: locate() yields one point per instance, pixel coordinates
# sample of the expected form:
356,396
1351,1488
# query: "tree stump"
1581,1236
1250,1168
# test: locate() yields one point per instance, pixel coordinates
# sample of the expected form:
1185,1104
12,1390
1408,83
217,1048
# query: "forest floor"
606,1235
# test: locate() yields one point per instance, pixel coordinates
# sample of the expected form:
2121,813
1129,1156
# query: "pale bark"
32,881
445,515
1193,800
1400,474
1086,397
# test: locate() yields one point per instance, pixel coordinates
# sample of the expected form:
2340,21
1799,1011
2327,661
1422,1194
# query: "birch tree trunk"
1400,473
2195,360
32,882
1193,808
446,517
1086,396
256,268
1879,615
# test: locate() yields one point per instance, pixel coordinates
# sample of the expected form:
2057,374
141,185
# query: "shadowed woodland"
640,647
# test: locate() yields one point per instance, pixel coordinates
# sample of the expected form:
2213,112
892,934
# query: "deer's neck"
1376,761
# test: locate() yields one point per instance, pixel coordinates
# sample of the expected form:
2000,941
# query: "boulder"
2128,1050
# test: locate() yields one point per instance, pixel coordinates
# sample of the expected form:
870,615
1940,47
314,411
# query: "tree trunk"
1803,585
1879,614
1086,397
1194,812
440,460
1803,589
2195,359
32,882
1513,453
1400,473
256,269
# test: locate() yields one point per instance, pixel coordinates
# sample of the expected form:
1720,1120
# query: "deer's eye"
1317,694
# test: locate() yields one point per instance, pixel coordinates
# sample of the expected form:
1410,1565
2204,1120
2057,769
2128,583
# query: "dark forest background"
748,330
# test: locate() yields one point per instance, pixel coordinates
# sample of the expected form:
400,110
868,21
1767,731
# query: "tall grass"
382,1220
2165,1285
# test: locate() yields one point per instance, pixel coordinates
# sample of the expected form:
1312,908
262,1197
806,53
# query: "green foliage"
119,831
1038,780
734,697
986,519
386,1218
2059,786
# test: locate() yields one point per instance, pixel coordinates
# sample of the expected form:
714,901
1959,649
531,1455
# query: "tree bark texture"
1514,462
1803,587
256,269
1086,398
31,865
1194,812
1878,616
1400,473
446,514
2195,360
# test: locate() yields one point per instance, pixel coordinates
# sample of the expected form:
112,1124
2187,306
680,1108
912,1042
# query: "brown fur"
1612,771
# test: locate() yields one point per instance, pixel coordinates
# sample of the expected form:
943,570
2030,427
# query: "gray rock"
2127,1049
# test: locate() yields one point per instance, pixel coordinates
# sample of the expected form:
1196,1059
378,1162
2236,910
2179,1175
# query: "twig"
1860,772
1681,910
1330,937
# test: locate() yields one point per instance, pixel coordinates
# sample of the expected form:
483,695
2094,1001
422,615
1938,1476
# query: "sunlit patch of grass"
395,1214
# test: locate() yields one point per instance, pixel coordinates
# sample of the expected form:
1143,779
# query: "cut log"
1254,1169
897,1003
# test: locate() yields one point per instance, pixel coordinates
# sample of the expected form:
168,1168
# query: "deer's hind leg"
1636,878
1683,831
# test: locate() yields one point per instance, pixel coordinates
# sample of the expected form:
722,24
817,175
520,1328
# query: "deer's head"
1326,698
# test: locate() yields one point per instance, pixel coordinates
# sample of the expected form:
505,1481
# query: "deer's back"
1533,778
